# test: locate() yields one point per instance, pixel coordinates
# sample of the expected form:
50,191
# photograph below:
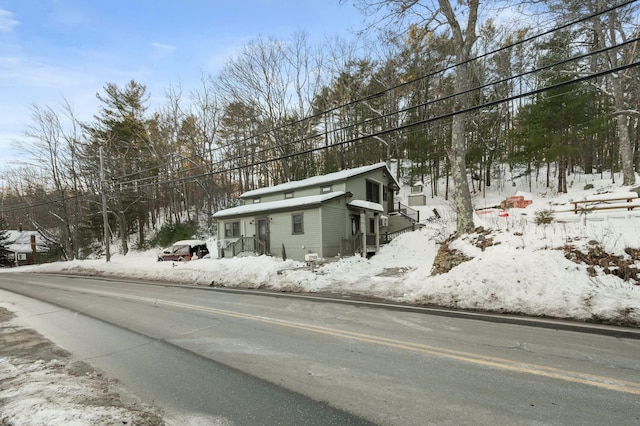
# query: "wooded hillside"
453,91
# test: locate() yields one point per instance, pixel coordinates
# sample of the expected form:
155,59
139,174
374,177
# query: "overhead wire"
412,81
143,182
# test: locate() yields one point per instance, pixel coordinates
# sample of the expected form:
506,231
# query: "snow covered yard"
569,268
513,264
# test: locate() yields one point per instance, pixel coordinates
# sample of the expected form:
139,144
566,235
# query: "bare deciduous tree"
460,24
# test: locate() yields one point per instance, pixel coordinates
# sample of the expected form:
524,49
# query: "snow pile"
27,396
40,384
523,270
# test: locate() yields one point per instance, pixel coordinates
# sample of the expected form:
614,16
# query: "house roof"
366,205
289,204
20,241
317,181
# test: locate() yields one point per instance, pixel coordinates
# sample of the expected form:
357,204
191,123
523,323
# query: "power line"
412,81
142,183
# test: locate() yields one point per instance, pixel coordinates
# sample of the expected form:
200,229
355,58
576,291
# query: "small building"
338,214
417,197
25,247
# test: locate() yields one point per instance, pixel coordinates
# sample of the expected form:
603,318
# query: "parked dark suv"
184,250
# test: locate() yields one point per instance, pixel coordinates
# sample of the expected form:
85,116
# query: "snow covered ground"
42,385
514,265
524,271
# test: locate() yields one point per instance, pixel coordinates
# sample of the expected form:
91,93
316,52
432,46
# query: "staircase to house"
403,219
247,245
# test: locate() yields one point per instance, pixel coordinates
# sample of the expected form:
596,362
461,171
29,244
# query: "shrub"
544,217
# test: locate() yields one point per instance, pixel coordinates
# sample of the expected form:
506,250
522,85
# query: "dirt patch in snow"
598,260
447,258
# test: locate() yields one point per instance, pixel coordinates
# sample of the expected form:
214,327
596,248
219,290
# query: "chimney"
20,227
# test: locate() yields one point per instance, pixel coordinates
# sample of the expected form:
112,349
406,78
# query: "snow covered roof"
317,181
367,205
277,205
20,241
25,248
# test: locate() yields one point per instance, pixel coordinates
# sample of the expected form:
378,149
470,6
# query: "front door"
355,224
263,236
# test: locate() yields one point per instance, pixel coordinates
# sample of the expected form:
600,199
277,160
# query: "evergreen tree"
121,129
5,258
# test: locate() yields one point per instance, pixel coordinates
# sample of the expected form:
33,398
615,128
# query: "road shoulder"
40,383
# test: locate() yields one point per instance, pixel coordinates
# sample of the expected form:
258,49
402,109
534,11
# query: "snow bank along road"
204,351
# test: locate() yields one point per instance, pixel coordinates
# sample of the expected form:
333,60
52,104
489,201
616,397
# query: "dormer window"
325,189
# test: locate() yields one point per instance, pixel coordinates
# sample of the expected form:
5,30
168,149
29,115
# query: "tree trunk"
461,194
463,41
624,140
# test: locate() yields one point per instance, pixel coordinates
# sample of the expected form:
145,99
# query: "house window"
231,229
373,192
297,222
288,195
325,189
256,200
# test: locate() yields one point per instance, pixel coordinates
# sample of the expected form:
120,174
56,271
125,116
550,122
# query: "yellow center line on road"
467,357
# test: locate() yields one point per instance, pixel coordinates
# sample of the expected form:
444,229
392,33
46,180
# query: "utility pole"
105,219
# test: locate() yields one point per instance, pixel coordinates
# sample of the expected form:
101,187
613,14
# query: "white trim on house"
289,203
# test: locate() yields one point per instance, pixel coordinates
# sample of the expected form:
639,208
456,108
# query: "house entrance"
355,224
263,236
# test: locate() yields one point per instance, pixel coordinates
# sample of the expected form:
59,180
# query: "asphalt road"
254,358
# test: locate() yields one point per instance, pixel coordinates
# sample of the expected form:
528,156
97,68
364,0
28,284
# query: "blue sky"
52,50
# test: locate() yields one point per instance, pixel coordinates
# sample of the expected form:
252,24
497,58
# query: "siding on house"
297,193
338,181
296,245
334,227
328,204
358,186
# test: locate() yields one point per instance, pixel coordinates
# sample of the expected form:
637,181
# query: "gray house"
339,214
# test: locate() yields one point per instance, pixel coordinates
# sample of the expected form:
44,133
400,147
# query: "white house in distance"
25,246
338,214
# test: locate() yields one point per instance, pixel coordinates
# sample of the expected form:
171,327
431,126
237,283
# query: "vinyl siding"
358,185
300,192
281,234
334,227
324,225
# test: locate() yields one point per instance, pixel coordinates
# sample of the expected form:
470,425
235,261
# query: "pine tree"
5,258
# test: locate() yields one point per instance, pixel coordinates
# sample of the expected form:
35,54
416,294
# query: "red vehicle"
184,250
